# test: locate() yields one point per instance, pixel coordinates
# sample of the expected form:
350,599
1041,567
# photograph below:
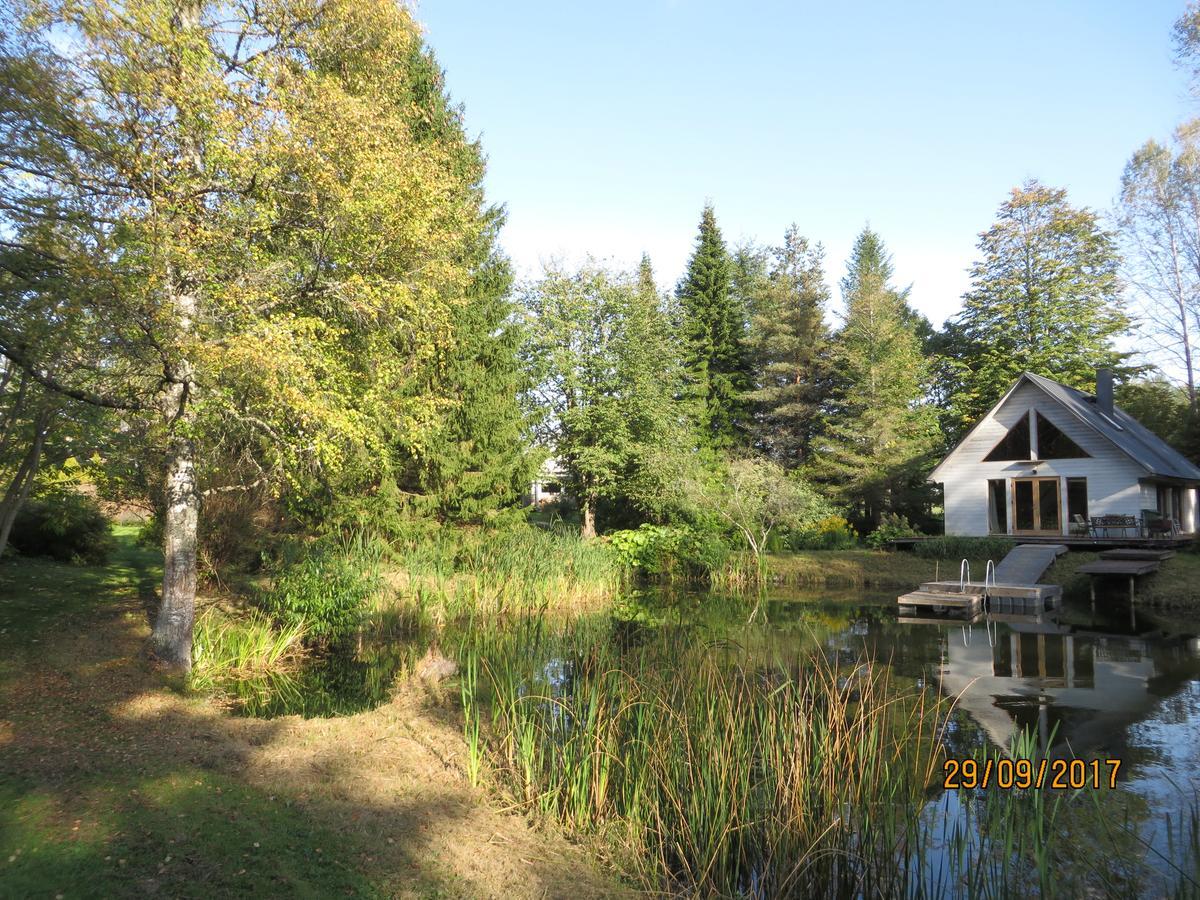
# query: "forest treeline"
249,278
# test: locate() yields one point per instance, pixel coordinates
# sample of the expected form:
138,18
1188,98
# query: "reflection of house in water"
1082,686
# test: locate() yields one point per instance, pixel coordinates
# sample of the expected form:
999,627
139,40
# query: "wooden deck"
1073,542
1119,566
1013,588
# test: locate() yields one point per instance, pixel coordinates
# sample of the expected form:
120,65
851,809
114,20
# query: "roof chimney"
1104,391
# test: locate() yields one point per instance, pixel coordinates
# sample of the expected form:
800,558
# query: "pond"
569,699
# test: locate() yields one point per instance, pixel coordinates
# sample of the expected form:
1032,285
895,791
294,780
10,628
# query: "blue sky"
608,125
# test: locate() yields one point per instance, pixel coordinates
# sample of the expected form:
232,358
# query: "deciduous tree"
260,249
1044,297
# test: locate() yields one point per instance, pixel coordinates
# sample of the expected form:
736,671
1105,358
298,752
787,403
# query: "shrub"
64,525
326,591
893,526
964,548
829,533
665,550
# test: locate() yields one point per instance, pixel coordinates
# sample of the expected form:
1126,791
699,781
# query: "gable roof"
1129,435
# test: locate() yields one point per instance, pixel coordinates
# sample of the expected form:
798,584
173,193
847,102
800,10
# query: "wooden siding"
1113,479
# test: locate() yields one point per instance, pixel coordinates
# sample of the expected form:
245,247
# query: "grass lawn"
112,784
864,568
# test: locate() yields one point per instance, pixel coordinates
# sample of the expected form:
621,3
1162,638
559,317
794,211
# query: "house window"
997,507
1077,501
1014,445
1053,444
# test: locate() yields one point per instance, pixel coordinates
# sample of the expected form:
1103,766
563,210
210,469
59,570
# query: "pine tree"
878,432
718,367
788,340
1044,298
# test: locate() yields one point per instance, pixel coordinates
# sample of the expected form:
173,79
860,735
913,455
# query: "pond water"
1111,684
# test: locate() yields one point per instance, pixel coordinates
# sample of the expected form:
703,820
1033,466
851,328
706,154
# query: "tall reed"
715,774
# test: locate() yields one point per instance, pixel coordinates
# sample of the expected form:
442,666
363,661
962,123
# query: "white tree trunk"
172,637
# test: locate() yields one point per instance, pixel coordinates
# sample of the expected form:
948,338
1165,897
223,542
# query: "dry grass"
113,784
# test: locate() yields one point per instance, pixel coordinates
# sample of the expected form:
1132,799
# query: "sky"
607,126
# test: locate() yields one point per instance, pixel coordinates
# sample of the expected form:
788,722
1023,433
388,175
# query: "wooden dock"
1013,589
1109,566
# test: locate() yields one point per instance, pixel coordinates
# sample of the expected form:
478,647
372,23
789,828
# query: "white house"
547,486
1051,460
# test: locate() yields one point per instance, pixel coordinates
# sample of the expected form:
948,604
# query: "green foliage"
956,548
714,322
609,374
751,498
880,434
228,648
891,527
64,525
686,552
1044,298
828,533
786,297
1161,406
327,590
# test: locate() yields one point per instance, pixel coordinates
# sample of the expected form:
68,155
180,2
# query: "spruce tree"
718,366
478,460
788,340
1044,298
879,433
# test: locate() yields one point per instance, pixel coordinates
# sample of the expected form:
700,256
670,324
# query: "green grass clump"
241,646
950,547
454,571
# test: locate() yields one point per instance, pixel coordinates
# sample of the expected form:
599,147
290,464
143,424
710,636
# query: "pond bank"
113,784
1175,585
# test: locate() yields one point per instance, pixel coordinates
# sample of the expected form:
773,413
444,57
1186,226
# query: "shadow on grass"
112,786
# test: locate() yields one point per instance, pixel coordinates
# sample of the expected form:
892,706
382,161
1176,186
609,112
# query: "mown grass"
864,568
1176,584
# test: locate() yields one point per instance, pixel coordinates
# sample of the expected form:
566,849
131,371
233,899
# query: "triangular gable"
1028,377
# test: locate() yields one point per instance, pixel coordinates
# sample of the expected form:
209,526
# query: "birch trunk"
172,636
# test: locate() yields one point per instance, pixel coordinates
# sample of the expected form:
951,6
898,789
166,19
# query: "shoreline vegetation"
652,754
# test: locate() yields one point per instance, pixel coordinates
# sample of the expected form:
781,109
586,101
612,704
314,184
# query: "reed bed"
458,572
728,768
711,773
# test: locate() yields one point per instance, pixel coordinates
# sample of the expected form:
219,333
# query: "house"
1051,460
547,486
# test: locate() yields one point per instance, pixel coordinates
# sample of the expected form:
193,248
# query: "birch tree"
258,251
1159,215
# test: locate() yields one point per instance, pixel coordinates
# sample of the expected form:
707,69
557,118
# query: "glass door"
1037,506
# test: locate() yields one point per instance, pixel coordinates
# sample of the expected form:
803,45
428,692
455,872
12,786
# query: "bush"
829,533
891,527
326,591
671,550
64,525
995,548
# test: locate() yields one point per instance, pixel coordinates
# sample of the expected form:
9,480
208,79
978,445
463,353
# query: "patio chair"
1080,525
